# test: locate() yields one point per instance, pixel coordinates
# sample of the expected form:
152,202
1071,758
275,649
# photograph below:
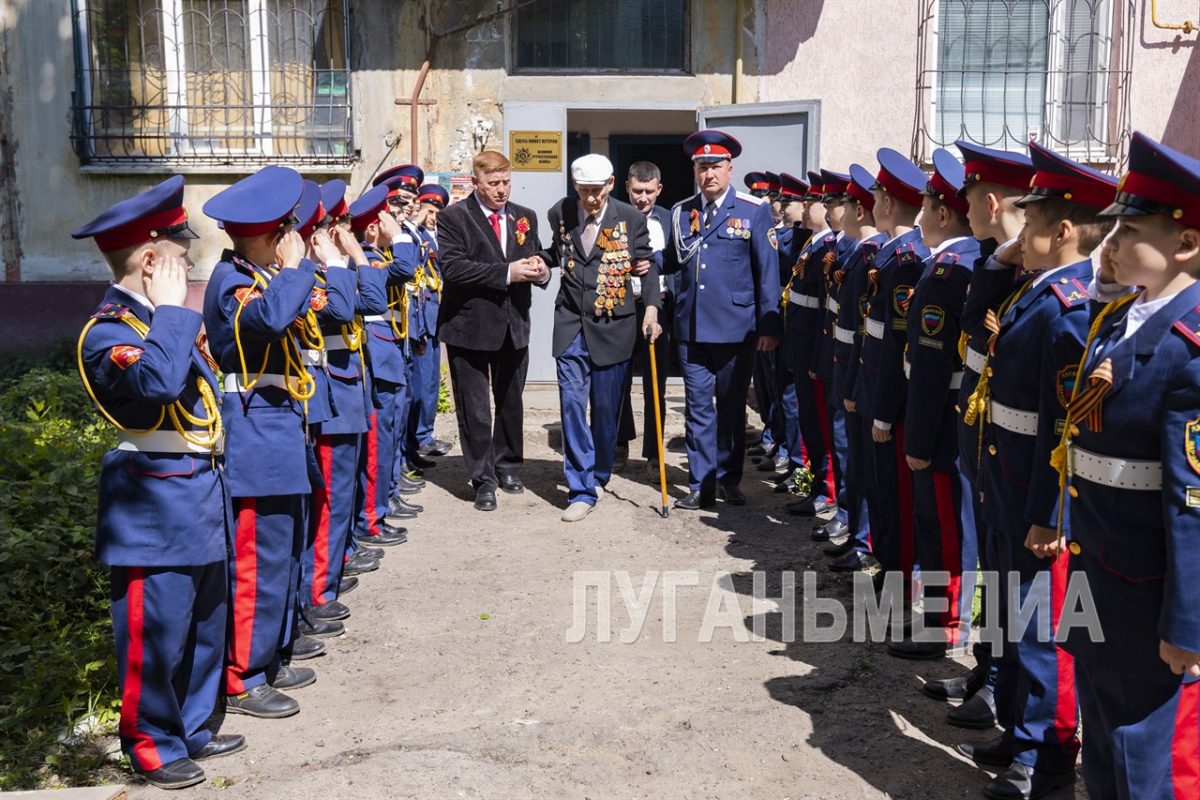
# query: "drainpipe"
737,49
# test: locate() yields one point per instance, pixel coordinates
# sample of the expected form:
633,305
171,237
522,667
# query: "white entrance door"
774,136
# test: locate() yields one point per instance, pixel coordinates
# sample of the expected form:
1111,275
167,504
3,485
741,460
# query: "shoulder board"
943,266
749,198
1189,326
1071,293
683,202
947,258
906,255
112,311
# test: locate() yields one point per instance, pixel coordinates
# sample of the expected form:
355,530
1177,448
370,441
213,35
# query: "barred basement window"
1007,71
621,36
212,82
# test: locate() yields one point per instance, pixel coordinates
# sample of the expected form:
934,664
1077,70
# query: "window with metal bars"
1007,71
621,36
212,82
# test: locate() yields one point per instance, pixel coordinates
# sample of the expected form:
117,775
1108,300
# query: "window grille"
212,82
623,36
1001,72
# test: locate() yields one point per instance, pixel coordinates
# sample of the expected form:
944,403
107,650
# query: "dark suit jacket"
478,309
610,340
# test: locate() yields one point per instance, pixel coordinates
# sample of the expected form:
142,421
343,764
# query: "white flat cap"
591,169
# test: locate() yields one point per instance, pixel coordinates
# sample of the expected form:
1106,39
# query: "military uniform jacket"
610,338
834,272
1033,370
333,304
896,285
1138,546
972,344
155,509
386,349
806,302
727,270
877,374
265,447
479,306
343,365
934,328
430,297
855,297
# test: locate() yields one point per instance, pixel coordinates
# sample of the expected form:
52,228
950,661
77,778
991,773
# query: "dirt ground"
456,677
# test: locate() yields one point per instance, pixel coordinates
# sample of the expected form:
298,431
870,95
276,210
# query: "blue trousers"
588,447
264,581
716,433
766,397
1142,739
401,425
334,508
787,413
169,631
857,514
427,378
945,542
382,444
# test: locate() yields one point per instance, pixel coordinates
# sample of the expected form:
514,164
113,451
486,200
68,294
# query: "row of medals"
615,266
735,229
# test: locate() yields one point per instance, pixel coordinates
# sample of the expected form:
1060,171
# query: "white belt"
164,442
805,300
316,358
335,342
974,360
843,335
955,379
1119,473
391,316
833,305
874,328
1013,419
233,383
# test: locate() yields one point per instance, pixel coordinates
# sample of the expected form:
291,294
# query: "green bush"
443,405
56,655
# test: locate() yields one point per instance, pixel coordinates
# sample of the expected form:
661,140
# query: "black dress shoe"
996,753
953,688
178,774
772,464
321,629
433,450
977,713
1021,782
917,651
358,566
407,486
388,536
221,744
756,451
420,462
485,498
347,585
366,552
809,507
786,481
290,677
263,702
399,507
852,561
839,550
695,501
731,495
833,529
306,647
511,484
328,612
621,458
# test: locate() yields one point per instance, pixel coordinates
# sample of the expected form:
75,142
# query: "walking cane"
662,462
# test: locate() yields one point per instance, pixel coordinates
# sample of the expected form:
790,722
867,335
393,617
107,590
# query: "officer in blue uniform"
1028,380
253,307
878,397
727,307
944,522
428,364
392,251
848,332
1132,461
164,505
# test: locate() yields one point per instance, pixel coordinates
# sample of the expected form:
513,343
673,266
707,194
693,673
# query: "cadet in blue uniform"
1131,459
1028,380
164,506
849,330
944,523
428,364
726,308
393,252
765,394
255,299
898,190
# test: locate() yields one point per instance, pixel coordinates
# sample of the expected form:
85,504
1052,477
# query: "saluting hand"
389,226
346,242
1181,662
166,283
324,247
290,250
1011,253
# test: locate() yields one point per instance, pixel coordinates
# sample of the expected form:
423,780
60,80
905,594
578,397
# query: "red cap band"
943,191
861,195
250,229
144,229
711,150
307,228
898,189
1014,175
1184,206
1076,190
340,210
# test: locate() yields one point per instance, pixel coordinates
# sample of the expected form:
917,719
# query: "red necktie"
495,218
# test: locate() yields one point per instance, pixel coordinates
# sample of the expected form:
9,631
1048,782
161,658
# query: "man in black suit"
597,243
488,249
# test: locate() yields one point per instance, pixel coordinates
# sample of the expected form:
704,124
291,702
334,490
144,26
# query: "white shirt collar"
137,297
1142,310
1041,278
487,212
584,214
720,201
946,244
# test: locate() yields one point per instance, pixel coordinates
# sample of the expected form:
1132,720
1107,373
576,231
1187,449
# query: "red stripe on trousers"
908,534
245,596
1185,747
321,497
1066,713
951,553
827,433
372,468
144,750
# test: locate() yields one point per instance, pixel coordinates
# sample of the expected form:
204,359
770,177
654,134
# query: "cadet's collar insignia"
1189,326
772,238
319,299
112,311
1064,384
1070,292
1192,443
125,355
901,298
933,319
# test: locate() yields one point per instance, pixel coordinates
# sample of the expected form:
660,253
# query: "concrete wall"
1165,92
